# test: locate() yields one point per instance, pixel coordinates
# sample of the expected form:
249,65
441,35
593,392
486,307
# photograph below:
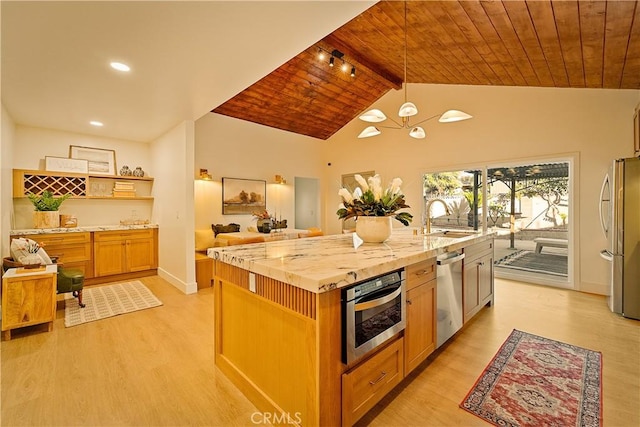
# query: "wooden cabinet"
477,280
367,383
82,186
117,252
204,271
420,331
28,299
73,250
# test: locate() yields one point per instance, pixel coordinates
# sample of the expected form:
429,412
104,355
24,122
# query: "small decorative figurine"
125,171
138,172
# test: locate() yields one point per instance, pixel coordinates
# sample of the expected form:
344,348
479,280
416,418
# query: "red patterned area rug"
535,381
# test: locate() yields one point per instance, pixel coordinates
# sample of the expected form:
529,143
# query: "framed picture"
100,161
65,164
243,196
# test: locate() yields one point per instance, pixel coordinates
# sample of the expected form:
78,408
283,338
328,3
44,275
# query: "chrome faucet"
430,202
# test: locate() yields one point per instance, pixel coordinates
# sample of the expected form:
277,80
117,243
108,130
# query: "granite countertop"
26,231
320,264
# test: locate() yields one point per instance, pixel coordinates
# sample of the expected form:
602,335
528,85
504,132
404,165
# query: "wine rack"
79,185
36,182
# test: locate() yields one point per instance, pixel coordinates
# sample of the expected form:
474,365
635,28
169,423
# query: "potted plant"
373,207
46,214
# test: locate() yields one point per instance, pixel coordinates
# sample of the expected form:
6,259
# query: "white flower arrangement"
370,199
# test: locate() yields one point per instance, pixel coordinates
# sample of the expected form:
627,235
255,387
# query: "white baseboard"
593,288
187,288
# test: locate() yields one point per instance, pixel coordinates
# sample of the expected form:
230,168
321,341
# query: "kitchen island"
278,321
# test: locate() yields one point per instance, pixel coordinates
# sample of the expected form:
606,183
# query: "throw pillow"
219,228
204,239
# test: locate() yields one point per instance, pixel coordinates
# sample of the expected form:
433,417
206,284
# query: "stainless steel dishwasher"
449,305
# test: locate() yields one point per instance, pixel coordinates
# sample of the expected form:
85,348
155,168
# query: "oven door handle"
379,301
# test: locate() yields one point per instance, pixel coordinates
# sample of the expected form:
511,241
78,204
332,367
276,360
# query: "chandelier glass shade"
407,110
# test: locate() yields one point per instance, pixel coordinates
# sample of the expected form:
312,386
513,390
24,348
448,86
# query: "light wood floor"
155,367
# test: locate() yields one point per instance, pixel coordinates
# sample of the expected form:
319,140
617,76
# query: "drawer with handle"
420,273
366,384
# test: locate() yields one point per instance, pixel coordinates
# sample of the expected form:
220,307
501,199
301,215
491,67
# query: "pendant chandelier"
407,110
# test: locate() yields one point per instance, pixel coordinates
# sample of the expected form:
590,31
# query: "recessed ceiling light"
96,123
120,66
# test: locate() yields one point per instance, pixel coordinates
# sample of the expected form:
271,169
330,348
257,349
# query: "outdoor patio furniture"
546,241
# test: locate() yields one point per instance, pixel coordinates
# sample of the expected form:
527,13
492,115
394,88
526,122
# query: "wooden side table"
28,298
204,271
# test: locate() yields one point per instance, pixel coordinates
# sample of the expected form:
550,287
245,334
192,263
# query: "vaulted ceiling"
541,43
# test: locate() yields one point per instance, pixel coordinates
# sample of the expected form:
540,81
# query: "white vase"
373,229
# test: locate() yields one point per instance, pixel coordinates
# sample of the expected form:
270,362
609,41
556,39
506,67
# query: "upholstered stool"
70,280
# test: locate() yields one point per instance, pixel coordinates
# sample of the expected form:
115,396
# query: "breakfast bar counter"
279,320
320,264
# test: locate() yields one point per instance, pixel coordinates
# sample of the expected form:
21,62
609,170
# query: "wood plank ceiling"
542,43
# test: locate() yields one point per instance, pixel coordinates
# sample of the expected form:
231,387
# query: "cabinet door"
470,289
140,254
485,279
109,257
420,332
28,301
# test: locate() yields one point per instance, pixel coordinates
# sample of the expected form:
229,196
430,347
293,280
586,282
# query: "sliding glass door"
526,204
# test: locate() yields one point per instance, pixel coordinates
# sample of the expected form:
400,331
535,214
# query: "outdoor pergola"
511,176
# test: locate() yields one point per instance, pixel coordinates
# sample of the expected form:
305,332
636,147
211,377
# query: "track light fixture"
334,55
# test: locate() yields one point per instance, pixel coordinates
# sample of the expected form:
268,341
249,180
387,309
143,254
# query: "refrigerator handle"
606,255
605,183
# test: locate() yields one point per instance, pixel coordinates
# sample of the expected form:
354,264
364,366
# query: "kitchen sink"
454,234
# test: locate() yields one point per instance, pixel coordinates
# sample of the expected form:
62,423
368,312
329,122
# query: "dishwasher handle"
451,260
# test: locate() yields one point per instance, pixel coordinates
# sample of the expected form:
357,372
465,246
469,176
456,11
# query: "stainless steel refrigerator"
620,219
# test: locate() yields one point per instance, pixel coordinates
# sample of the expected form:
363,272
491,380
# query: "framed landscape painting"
101,161
243,196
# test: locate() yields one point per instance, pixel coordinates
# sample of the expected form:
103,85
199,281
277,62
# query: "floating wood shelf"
36,182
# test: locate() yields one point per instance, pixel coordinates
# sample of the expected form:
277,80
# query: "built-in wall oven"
372,312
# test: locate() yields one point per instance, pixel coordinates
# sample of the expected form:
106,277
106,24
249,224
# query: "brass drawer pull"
423,272
384,374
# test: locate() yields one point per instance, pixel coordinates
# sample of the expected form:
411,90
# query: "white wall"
234,148
172,158
6,178
510,123
33,144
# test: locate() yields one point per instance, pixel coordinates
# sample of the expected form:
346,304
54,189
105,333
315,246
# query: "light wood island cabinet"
279,322
420,331
366,384
477,280
118,252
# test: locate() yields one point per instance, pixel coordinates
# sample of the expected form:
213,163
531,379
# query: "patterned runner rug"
535,381
525,260
107,301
